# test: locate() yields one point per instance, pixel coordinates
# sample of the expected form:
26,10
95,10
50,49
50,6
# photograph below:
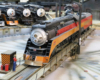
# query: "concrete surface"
17,43
11,73
96,22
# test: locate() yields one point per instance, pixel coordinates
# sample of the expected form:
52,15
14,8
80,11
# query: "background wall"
23,0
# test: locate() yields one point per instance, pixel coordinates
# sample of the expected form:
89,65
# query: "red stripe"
83,20
66,28
86,26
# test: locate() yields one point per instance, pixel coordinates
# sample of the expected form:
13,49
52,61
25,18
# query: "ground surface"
86,67
17,43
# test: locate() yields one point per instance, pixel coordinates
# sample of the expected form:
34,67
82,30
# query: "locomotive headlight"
26,12
41,12
38,37
11,12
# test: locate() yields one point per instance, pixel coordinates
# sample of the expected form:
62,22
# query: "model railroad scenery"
49,40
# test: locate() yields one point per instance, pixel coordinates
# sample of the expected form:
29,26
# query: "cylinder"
1,67
6,67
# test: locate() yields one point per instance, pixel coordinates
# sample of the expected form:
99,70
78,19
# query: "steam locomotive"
48,37
37,11
24,14
29,13
8,15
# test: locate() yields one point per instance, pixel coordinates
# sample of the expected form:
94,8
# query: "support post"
59,8
56,10
79,37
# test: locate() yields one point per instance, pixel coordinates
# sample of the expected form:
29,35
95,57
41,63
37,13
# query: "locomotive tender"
48,37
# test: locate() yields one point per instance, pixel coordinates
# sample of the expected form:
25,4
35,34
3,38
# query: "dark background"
43,0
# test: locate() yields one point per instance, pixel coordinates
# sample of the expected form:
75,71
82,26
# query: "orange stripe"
85,22
69,33
12,23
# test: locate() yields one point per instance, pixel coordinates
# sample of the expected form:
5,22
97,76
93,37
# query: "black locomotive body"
50,27
34,10
47,37
23,19
25,14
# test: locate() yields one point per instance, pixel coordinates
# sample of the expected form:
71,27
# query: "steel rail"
25,73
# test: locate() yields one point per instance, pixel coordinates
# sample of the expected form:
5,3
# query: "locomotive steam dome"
41,12
26,12
11,12
38,37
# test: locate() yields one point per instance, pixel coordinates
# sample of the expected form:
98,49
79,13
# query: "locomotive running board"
35,63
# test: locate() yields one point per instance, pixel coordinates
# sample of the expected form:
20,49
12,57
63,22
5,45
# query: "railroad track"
34,73
61,57
25,73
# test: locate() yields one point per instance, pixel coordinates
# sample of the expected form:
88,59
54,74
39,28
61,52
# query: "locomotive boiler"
48,37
